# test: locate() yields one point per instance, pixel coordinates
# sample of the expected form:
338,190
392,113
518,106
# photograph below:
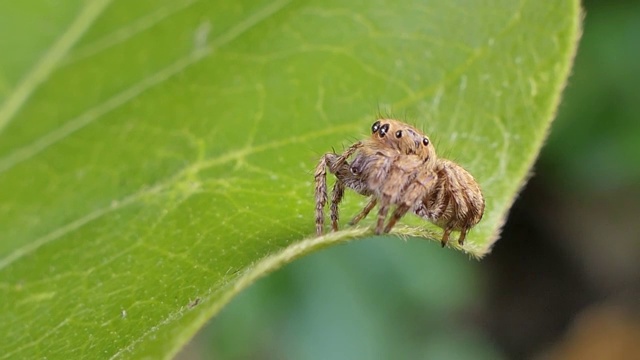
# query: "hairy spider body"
394,179
397,166
456,202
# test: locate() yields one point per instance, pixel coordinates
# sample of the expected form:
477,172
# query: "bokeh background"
562,283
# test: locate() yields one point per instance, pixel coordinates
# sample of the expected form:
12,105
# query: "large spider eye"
425,141
399,134
375,127
384,129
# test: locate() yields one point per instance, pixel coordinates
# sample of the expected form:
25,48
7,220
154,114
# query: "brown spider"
397,166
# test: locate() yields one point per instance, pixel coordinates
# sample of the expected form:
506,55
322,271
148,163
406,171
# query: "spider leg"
320,192
463,234
382,215
336,162
336,197
333,162
445,235
400,211
362,214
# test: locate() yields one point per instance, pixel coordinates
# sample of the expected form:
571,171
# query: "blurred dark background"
562,283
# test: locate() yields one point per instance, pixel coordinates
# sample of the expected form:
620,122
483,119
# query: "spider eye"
425,141
384,129
375,127
399,134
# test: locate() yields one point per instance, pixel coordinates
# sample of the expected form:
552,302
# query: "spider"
397,166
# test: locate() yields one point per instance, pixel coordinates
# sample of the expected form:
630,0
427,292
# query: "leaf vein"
91,115
45,66
127,31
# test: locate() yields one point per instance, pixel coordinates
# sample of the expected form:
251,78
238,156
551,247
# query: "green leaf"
156,157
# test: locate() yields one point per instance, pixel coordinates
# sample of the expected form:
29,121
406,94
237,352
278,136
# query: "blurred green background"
562,283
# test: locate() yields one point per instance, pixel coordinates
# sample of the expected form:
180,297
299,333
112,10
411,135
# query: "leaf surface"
156,157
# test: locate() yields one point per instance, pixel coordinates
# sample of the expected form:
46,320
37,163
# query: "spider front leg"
333,162
336,197
321,192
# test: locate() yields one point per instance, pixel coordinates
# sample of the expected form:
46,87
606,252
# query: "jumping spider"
397,166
